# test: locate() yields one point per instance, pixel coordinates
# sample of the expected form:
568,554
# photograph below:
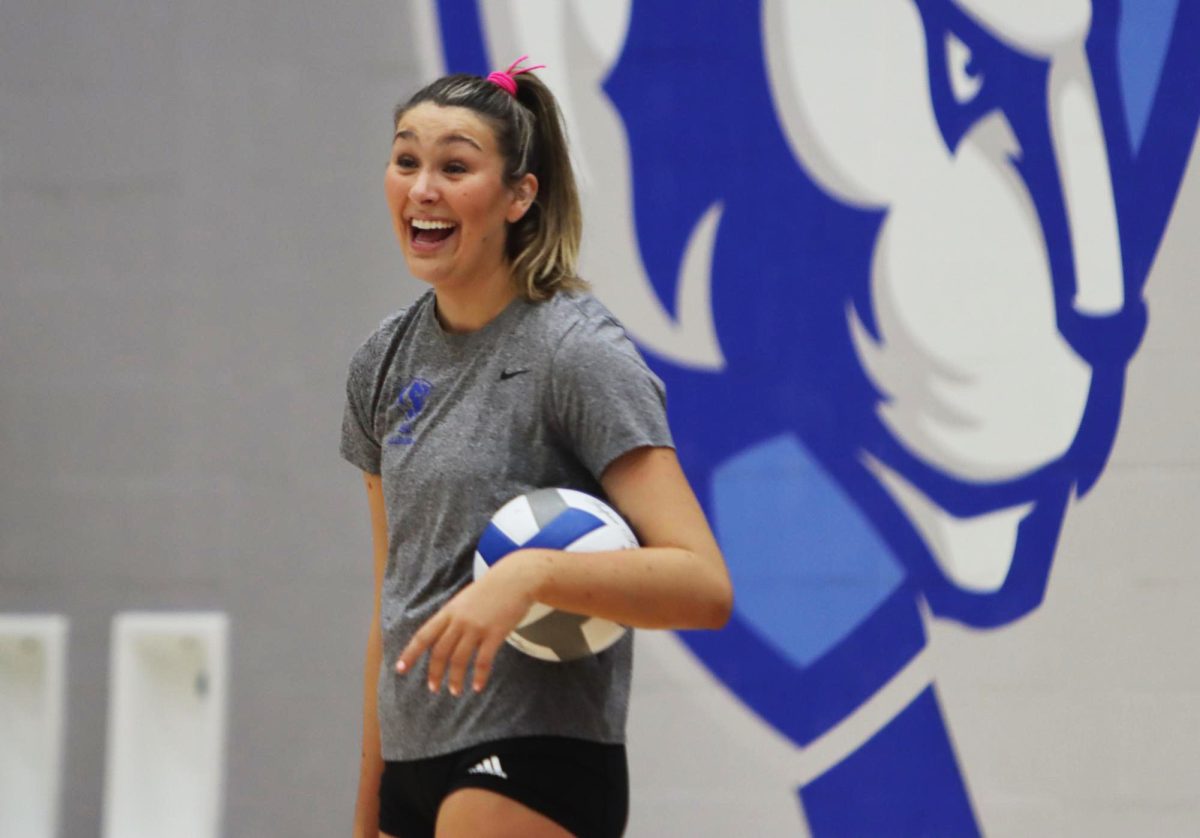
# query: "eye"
405,161
454,168
963,83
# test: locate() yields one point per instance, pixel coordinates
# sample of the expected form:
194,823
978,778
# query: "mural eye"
964,83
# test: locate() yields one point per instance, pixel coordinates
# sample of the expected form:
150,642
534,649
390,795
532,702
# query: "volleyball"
557,519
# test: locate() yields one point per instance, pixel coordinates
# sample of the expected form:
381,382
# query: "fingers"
466,627
451,647
446,643
459,659
483,661
425,637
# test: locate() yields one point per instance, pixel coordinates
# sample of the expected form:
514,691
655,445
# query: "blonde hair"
543,246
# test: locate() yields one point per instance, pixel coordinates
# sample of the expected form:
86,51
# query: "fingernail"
454,690
401,666
432,687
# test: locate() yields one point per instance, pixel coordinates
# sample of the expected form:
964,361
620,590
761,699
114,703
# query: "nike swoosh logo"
507,374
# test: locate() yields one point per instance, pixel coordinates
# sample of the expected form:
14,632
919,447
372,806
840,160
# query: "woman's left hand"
473,623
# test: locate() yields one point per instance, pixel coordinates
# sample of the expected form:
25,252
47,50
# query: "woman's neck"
467,306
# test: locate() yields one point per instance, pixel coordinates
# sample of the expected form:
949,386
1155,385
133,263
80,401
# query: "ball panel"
535,613
532,649
480,565
581,500
560,631
516,519
569,526
600,634
605,538
578,499
546,505
494,545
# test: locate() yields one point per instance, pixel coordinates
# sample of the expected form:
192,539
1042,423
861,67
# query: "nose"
423,189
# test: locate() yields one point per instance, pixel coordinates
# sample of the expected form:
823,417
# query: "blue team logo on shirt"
888,257
411,402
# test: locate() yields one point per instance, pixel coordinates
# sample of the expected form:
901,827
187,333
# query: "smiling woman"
459,140
451,205
506,377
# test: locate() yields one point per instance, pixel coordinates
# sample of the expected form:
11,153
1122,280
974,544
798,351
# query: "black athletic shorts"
581,785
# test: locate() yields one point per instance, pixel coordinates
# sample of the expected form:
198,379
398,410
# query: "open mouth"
426,232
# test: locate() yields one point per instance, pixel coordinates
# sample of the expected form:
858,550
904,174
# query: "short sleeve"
606,400
360,444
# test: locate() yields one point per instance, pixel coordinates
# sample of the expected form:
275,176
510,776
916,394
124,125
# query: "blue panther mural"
888,256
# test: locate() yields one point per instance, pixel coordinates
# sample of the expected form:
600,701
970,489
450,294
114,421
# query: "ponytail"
544,244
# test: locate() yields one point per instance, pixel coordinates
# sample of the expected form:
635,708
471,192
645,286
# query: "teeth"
425,224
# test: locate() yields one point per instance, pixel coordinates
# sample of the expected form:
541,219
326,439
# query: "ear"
524,192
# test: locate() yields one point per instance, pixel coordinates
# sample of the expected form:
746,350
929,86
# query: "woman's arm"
366,809
677,579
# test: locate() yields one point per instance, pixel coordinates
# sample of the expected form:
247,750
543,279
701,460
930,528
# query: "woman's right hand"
473,625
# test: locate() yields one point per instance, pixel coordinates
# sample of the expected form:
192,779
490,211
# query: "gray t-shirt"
546,394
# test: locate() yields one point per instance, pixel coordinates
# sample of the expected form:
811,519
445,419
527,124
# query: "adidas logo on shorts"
490,765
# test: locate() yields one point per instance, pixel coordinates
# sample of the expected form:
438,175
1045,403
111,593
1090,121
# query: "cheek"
469,209
393,189
489,210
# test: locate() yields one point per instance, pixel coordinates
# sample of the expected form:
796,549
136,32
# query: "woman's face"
446,191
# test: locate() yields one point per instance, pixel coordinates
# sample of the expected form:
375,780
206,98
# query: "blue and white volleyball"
556,519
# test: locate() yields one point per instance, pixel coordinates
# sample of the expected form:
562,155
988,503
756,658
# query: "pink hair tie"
507,79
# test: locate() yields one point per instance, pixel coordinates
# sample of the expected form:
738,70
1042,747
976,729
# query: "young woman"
505,377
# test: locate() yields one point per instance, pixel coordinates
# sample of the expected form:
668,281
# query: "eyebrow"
448,139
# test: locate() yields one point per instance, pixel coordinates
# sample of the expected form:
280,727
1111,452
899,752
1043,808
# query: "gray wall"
193,240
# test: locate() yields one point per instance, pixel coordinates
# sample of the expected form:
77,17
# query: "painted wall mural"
888,256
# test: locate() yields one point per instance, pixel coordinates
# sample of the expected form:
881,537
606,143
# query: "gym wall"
923,312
